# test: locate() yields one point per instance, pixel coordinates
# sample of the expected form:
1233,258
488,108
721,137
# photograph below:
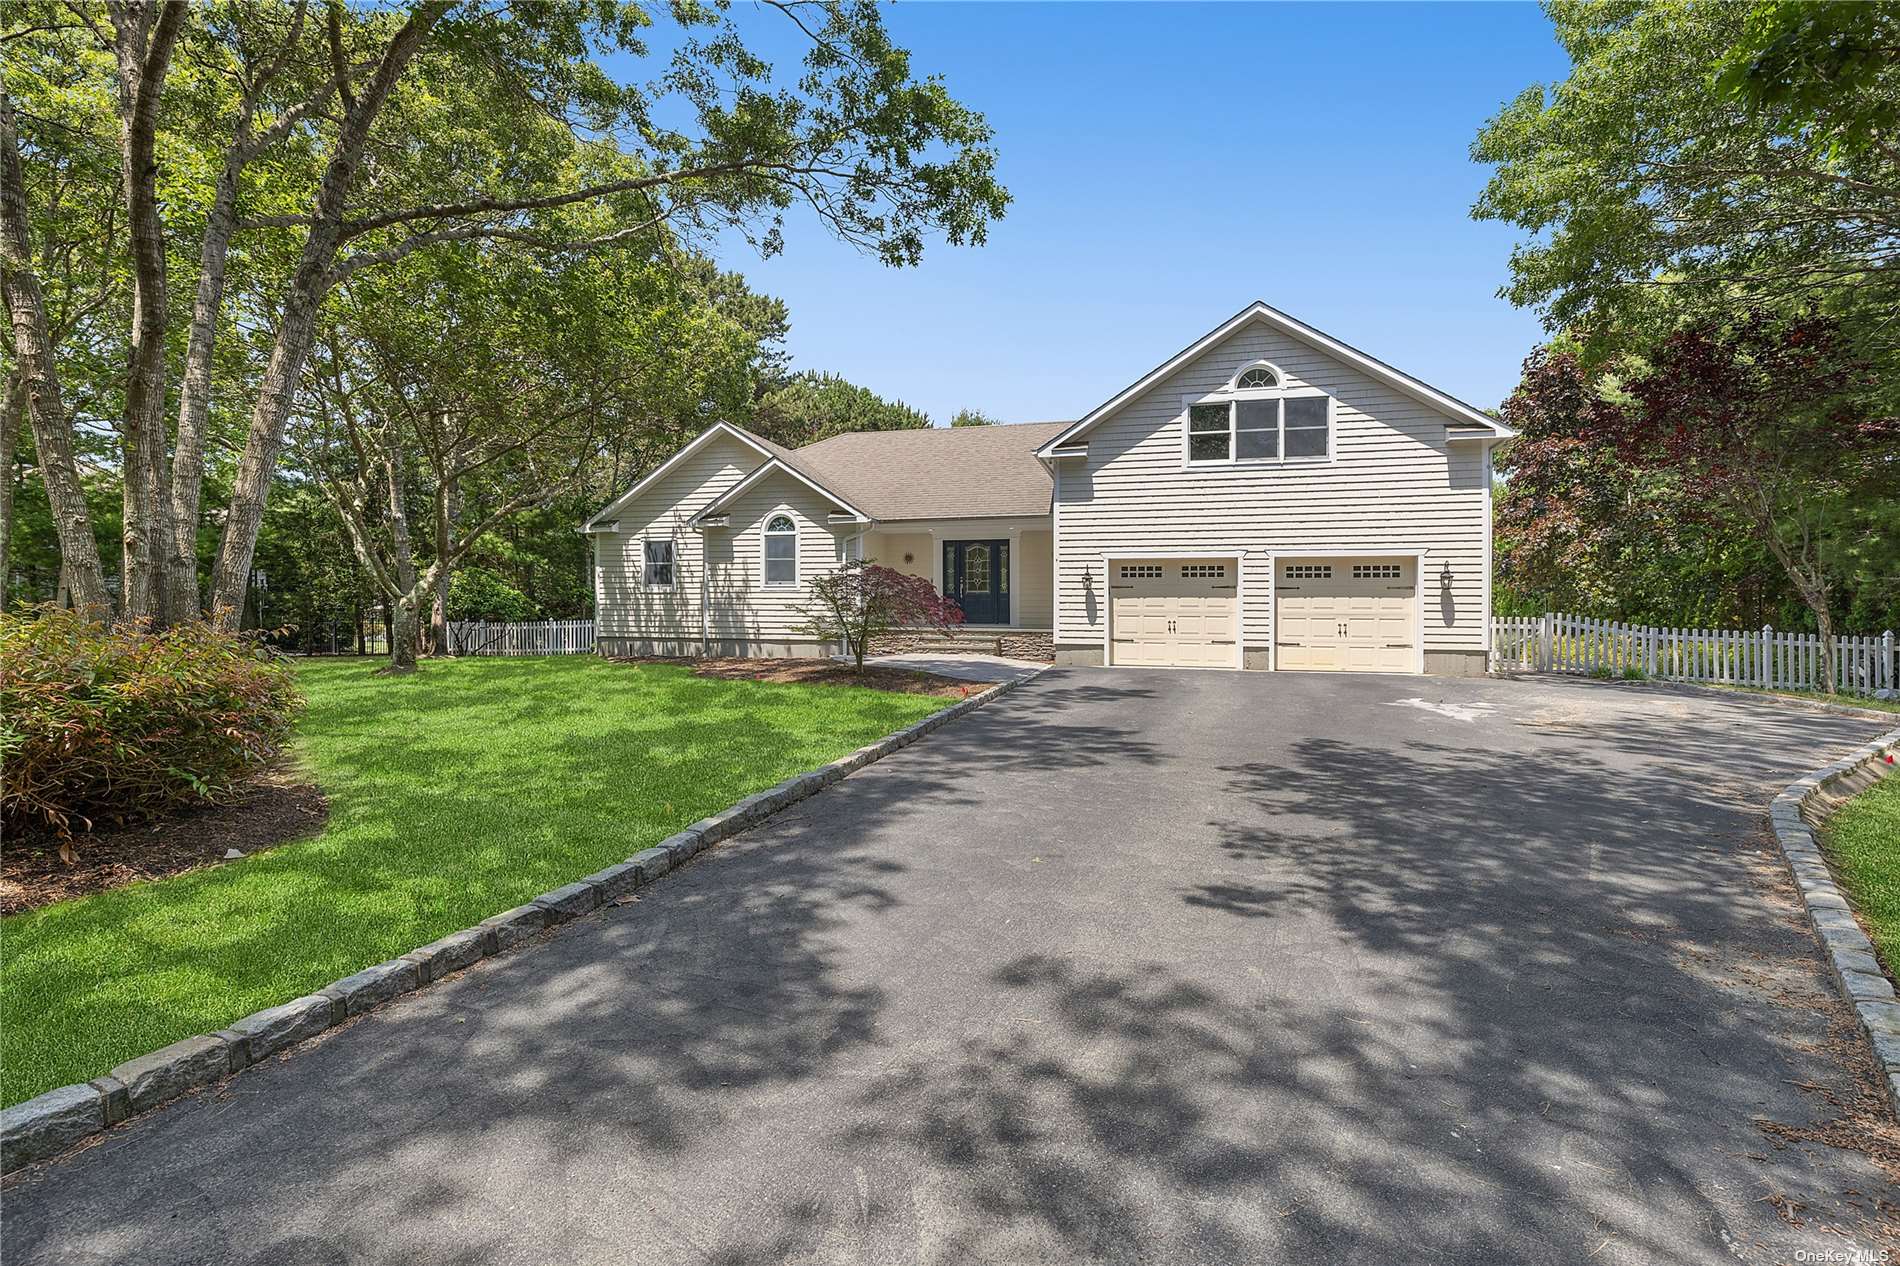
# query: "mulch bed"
826,672
275,809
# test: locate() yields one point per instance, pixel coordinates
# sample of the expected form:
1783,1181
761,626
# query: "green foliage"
567,137
974,417
815,406
454,794
1829,65
1597,511
477,593
1711,203
311,592
112,724
1665,171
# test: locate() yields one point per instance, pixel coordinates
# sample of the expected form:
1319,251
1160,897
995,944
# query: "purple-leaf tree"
860,601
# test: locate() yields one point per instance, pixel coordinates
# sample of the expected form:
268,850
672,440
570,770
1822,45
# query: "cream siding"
1034,580
887,549
745,610
624,606
1394,483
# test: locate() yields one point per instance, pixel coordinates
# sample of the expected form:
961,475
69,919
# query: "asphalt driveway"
1135,967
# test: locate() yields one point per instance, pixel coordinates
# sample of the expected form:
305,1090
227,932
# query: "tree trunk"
144,36
12,410
402,636
1811,584
448,515
33,353
194,396
296,328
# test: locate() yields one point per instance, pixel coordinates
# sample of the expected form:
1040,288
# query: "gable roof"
962,472
718,504
1454,409
763,446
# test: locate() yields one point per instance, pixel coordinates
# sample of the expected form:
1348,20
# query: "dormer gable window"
1258,418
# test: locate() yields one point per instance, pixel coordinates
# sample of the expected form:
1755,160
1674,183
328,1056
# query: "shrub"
476,593
111,723
860,601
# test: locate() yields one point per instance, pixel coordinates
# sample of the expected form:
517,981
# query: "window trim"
1233,383
1231,397
672,563
765,535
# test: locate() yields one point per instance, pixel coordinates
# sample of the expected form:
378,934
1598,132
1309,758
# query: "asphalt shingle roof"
963,472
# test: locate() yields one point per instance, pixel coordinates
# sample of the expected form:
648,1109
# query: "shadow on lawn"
1421,999
451,813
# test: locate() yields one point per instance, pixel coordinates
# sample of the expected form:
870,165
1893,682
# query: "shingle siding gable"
1395,483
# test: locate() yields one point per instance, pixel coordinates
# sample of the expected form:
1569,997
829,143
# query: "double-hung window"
1257,418
658,557
781,550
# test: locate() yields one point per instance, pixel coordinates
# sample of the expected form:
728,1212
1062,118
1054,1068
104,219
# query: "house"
1267,498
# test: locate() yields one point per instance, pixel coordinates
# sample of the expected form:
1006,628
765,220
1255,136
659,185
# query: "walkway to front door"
976,576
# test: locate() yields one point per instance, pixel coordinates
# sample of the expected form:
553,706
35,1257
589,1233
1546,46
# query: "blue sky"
1170,163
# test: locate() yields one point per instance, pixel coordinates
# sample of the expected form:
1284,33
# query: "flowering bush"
860,600
103,723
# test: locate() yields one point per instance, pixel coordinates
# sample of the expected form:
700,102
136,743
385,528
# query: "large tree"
1582,528
464,387
814,405
396,133
1697,155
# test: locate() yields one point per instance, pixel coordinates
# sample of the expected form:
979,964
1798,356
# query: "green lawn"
1863,840
454,794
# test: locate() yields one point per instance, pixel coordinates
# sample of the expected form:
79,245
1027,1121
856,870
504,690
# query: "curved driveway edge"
65,1117
1850,955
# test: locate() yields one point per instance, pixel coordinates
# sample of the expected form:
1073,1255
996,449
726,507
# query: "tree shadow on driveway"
1144,967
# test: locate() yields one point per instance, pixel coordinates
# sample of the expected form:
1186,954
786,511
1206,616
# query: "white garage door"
1173,612
1357,615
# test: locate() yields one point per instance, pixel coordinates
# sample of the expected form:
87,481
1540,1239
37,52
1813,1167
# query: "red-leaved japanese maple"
861,601
1770,420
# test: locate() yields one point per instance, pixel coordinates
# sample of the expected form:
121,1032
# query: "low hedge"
105,723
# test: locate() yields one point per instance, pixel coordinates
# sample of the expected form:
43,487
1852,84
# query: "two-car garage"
1331,613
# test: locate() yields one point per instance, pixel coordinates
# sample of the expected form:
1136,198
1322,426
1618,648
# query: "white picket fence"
1734,657
537,637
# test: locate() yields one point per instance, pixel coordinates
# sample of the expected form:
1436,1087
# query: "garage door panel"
1179,612
1346,615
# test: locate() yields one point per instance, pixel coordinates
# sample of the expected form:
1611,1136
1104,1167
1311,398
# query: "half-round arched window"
1256,377
781,550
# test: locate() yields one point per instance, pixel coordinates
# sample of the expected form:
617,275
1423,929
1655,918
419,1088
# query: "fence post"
1546,643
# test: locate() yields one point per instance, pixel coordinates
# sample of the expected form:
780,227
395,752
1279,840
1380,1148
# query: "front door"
976,577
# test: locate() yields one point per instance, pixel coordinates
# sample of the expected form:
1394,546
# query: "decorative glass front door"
976,576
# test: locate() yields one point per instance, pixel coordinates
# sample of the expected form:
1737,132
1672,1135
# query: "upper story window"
1258,418
781,550
658,557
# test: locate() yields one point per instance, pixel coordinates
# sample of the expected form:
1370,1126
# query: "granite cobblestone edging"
60,1119
1800,808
